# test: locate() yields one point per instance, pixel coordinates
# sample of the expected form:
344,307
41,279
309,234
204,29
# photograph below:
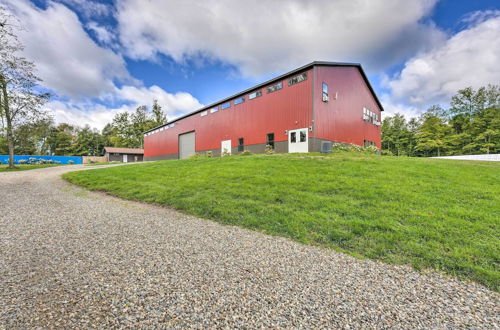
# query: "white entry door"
298,141
125,158
225,147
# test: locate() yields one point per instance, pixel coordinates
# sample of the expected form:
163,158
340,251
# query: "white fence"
486,157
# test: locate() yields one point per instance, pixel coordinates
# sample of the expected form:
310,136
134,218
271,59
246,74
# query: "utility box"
326,147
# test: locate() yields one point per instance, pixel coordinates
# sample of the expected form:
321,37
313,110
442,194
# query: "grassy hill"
429,213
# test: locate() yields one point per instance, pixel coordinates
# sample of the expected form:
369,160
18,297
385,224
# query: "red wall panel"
341,119
285,109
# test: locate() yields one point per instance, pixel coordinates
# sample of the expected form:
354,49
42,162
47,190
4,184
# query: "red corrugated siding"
285,109
341,120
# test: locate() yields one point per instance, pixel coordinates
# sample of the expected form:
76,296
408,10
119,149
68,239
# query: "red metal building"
295,112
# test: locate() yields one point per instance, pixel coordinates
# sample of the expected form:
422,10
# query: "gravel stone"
76,259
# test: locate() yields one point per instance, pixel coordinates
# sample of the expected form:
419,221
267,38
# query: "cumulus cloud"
89,8
130,97
82,74
81,114
468,58
102,34
265,37
392,107
172,104
67,59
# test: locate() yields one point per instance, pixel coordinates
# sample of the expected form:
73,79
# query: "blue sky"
103,57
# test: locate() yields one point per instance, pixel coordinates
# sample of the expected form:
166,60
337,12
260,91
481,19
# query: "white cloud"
81,114
67,59
89,8
102,34
265,37
80,72
391,108
172,104
468,58
98,115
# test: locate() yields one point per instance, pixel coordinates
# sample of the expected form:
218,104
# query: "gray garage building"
126,155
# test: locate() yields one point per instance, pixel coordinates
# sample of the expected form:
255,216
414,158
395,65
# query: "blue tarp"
62,159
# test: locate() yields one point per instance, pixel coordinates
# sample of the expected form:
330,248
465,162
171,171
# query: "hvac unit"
326,147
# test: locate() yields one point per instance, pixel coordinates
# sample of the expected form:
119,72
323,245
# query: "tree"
470,125
19,102
140,122
62,140
484,129
432,133
468,101
158,115
31,138
127,130
395,135
87,142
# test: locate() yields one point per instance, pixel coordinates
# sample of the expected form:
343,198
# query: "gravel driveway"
71,258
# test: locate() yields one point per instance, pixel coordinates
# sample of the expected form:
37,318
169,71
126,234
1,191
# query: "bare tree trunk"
8,119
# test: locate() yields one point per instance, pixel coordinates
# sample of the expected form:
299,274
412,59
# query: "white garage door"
186,145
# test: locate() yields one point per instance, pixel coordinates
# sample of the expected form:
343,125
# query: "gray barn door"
186,145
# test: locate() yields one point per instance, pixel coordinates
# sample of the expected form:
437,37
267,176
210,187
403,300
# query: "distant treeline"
43,137
470,125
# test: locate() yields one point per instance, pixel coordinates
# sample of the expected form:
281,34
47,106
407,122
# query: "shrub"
246,153
387,153
354,148
225,152
371,149
269,149
207,154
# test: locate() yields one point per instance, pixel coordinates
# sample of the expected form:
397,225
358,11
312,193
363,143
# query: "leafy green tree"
470,125
468,101
412,126
127,130
62,140
158,115
485,130
88,142
140,122
19,100
431,135
4,148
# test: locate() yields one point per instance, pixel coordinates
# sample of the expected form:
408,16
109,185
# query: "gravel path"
74,259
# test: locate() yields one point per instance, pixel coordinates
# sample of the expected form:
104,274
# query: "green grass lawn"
4,168
429,213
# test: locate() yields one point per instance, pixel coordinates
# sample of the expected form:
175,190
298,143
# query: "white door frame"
226,144
298,140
